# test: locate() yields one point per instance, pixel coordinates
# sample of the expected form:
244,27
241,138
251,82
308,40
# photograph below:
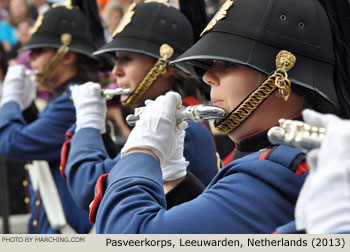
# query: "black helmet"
147,26
156,29
69,27
252,33
59,20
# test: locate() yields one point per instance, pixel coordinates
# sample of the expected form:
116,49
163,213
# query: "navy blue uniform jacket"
42,140
88,160
252,194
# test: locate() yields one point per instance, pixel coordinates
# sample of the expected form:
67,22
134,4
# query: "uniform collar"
77,79
255,142
251,143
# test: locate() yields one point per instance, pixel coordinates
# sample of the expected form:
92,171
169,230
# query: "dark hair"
339,16
3,60
186,85
87,67
314,101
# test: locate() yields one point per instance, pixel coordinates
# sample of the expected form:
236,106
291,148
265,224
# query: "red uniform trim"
100,188
64,157
228,158
68,135
190,101
264,154
64,153
302,168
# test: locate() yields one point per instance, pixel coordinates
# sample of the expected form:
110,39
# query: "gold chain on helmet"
279,79
66,38
166,51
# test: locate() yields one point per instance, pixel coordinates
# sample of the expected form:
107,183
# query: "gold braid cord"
279,79
159,68
66,38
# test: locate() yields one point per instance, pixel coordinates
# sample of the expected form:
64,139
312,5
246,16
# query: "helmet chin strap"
66,38
278,79
165,51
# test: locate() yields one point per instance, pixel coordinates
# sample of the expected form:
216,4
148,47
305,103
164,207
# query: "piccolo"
30,72
106,93
298,134
109,93
196,113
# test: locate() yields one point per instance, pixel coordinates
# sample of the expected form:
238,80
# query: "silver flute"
298,134
109,93
30,72
196,113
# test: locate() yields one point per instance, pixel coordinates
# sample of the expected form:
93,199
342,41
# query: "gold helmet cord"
279,79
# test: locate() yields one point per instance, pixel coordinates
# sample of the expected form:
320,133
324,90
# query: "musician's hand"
323,205
176,166
157,129
90,106
19,87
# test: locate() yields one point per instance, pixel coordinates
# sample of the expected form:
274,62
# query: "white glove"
176,166
90,106
323,205
19,87
156,130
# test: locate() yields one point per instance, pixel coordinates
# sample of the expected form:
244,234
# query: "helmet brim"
42,41
261,57
136,45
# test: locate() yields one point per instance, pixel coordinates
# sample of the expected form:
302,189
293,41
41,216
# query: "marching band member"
265,60
61,52
149,36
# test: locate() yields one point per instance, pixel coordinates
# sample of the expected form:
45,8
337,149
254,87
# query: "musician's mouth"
124,97
217,103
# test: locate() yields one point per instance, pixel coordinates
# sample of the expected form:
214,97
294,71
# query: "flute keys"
297,134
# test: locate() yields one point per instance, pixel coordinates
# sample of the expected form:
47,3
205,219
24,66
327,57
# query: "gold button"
26,167
26,200
35,223
61,168
37,203
25,183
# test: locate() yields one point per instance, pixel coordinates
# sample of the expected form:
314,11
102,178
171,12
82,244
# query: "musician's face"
130,69
232,83
39,58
